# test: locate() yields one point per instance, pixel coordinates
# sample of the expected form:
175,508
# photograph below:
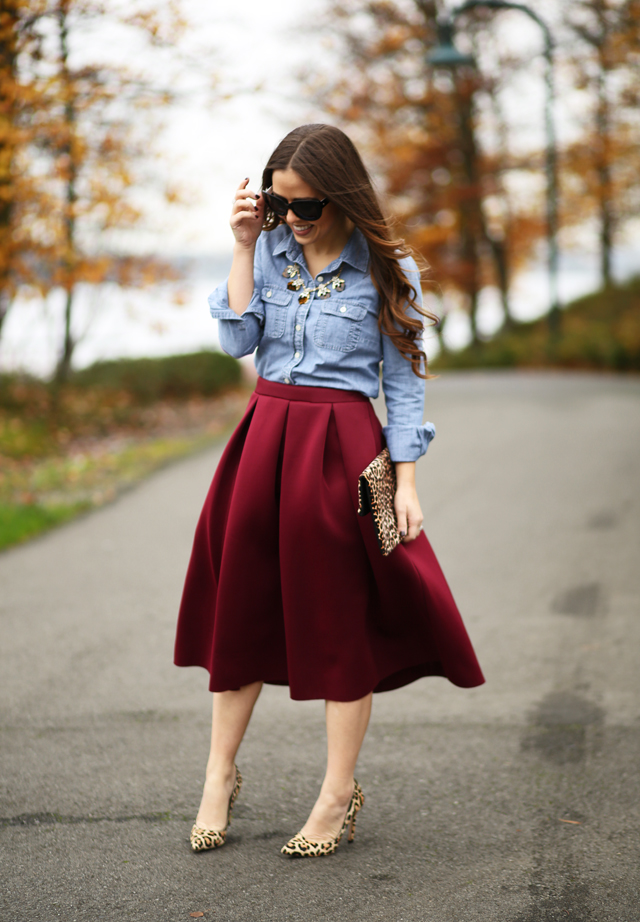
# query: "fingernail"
403,534
257,195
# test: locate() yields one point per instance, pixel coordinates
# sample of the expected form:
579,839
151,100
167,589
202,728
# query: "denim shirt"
327,342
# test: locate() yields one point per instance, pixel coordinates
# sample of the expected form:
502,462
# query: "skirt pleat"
286,583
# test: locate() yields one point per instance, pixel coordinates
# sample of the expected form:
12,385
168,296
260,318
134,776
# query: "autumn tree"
9,41
603,165
438,141
77,146
20,101
96,133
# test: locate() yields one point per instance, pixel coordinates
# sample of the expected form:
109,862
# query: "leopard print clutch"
376,492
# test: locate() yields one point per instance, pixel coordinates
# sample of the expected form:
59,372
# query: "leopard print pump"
300,847
203,839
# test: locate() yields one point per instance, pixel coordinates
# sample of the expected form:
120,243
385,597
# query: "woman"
286,584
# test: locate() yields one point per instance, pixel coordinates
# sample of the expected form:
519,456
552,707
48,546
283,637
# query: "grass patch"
18,523
598,332
38,496
64,450
38,419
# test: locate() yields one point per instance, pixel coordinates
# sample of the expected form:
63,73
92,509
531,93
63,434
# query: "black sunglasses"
307,209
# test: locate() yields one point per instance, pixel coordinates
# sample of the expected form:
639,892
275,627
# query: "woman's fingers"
244,207
401,515
248,206
414,529
241,211
247,214
245,196
409,521
245,200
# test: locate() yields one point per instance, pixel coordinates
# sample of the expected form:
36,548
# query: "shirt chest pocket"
276,304
339,325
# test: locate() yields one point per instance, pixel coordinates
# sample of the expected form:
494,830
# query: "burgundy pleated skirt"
286,583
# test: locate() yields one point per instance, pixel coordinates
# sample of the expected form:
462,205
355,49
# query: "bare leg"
231,714
346,726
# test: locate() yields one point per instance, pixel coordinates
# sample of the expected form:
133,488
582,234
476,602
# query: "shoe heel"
300,847
203,839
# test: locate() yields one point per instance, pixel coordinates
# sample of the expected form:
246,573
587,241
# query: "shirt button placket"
298,333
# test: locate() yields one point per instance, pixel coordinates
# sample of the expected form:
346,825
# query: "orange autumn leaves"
76,147
452,152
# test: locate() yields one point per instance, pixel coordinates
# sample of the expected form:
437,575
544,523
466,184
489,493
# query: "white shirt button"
298,327
321,278
268,294
297,355
342,309
286,380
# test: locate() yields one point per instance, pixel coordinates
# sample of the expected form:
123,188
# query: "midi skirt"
286,584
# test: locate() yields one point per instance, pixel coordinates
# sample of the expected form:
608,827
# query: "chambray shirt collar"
355,253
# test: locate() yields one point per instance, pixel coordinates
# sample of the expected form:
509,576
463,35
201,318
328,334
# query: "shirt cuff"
408,443
220,310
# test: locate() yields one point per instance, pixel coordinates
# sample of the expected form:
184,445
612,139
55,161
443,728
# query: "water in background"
112,322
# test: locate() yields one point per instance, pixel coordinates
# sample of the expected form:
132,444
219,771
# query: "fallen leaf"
573,822
196,915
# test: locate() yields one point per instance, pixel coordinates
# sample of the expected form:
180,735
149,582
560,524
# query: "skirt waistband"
307,393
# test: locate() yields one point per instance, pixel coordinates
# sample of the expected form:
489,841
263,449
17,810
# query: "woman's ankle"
220,772
337,790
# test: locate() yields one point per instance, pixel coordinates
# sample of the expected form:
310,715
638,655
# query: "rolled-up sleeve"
407,436
240,335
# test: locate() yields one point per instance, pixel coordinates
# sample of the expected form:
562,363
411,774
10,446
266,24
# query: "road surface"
518,801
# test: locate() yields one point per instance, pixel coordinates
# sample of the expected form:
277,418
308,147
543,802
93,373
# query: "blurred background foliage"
68,448
600,332
73,147
77,146
451,151
449,154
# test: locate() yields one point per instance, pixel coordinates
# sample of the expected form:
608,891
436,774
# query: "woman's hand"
247,216
407,505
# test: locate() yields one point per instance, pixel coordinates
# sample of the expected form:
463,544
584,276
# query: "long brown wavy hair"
325,158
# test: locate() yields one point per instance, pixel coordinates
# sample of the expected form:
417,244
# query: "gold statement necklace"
323,290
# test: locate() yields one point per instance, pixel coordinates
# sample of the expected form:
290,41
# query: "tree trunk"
603,167
70,254
500,246
5,304
64,363
471,218
8,57
500,264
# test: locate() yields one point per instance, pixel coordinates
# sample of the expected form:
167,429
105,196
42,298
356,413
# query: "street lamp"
445,54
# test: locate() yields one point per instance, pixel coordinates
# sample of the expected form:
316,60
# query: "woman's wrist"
240,282
405,473
244,251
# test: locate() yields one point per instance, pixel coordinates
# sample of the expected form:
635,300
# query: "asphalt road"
517,801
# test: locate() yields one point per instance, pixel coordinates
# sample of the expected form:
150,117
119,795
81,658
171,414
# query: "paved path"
517,801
